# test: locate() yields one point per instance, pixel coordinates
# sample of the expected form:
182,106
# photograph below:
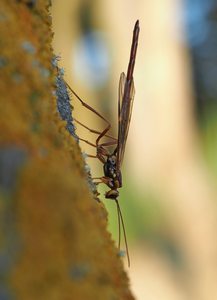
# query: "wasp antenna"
119,226
125,237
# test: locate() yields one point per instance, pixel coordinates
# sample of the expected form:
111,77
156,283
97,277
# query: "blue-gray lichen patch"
11,160
63,103
28,47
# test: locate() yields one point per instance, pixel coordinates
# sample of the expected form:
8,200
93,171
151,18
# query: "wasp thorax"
110,167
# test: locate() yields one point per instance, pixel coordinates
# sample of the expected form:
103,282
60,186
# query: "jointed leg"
108,144
100,150
103,133
93,130
97,182
86,141
91,156
86,105
100,145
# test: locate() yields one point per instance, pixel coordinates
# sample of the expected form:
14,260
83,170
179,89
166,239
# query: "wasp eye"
112,160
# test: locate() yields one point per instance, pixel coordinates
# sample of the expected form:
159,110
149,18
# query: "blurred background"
168,197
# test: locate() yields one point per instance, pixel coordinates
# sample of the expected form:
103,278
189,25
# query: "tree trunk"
54,243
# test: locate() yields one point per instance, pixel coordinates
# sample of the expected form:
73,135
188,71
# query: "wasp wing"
125,104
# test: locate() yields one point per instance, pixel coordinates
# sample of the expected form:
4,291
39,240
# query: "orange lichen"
57,231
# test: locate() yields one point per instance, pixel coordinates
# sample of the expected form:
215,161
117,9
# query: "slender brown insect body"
112,161
125,101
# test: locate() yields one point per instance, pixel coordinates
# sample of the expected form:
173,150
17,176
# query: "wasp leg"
93,130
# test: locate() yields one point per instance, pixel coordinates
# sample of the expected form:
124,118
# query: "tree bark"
54,243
